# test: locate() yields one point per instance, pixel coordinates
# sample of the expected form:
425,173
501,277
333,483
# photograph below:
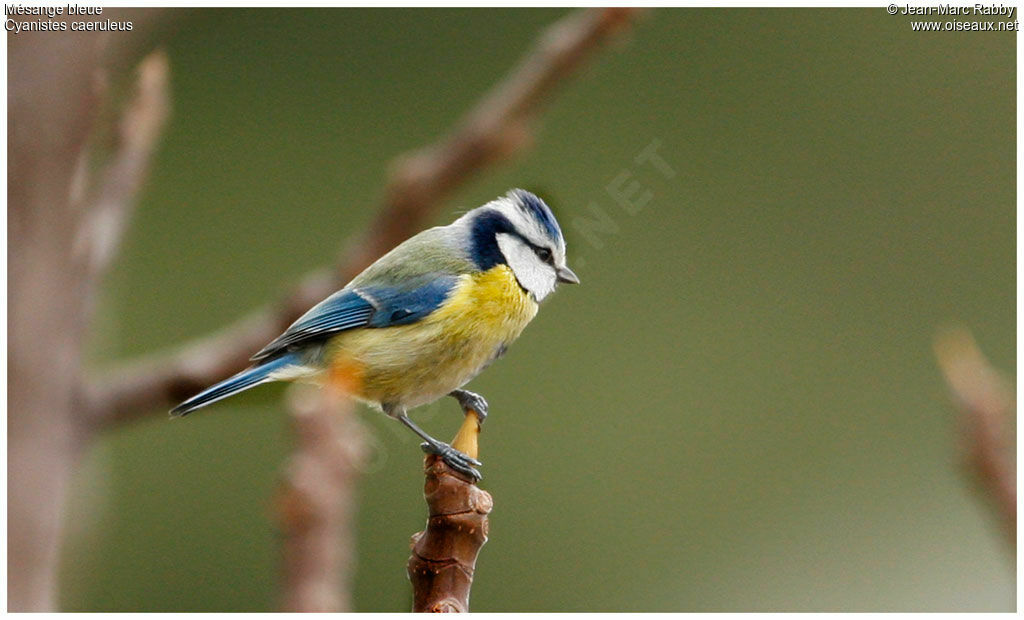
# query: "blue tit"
425,319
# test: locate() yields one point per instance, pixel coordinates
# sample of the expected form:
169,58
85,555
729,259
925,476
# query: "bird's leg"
458,461
471,401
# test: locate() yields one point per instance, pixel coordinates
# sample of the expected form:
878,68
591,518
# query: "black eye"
544,254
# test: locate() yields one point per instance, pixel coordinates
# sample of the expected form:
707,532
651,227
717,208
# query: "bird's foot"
462,463
471,401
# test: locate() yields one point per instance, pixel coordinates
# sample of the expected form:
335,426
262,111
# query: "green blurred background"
738,410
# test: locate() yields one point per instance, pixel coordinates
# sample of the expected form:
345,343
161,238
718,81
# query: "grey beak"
566,275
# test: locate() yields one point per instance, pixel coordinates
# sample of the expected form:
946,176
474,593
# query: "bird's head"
520,231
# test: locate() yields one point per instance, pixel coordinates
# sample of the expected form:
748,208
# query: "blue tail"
238,383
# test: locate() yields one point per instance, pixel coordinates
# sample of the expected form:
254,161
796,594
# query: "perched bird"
424,319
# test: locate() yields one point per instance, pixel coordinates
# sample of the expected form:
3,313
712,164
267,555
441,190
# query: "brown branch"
986,402
495,128
443,558
316,501
139,130
53,272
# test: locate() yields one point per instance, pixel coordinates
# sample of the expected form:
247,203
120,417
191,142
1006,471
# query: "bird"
424,319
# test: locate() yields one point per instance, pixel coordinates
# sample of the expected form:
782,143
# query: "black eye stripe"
537,249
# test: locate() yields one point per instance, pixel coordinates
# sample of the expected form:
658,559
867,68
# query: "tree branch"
444,555
142,122
497,127
316,501
986,402
52,115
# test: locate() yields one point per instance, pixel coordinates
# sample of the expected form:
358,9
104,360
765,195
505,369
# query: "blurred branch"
986,402
498,126
444,555
58,248
316,501
139,130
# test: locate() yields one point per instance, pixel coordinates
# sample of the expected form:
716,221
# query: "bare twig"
316,502
444,555
496,127
986,402
139,131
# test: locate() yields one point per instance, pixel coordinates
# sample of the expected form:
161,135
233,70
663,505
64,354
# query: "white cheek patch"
533,274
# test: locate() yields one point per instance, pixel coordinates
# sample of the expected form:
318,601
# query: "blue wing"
364,306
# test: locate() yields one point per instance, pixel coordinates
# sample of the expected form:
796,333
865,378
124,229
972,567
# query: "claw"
458,461
471,401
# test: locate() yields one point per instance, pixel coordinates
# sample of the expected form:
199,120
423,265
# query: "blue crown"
535,208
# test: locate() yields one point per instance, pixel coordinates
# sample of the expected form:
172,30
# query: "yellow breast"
415,364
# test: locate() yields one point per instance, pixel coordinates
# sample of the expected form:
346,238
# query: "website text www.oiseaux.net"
955,26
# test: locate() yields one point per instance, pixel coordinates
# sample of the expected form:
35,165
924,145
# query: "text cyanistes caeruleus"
424,319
